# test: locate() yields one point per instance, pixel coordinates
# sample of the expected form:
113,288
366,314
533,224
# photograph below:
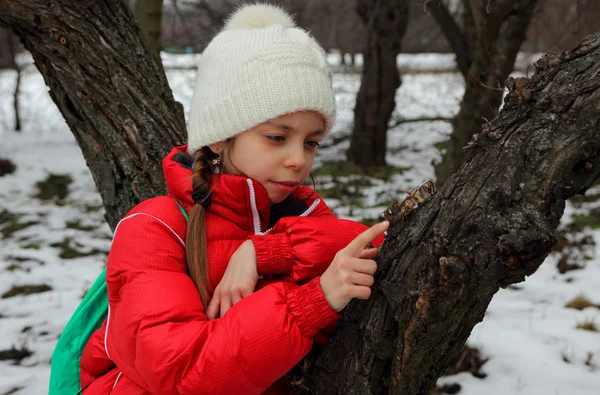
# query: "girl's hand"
350,275
239,281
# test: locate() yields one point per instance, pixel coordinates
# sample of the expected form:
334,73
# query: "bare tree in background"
458,38
348,31
486,48
202,20
562,23
386,22
149,17
12,48
337,26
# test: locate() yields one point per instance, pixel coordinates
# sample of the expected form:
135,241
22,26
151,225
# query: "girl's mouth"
286,186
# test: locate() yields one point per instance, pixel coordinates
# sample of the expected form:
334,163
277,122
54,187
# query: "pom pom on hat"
258,16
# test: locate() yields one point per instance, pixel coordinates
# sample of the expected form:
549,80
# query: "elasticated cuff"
274,254
310,308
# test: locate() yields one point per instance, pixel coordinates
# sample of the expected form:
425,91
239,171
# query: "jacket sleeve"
303,247
159,337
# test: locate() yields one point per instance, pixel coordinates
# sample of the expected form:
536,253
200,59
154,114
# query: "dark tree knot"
452,270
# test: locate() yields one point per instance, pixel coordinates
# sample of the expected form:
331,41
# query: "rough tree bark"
500,29
490,225
386,22
113,95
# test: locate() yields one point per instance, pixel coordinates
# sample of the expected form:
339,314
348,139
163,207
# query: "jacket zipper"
304,214
311,208
256,217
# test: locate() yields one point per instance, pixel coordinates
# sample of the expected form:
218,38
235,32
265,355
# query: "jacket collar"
238,199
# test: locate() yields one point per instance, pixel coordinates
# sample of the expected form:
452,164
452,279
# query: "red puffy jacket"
157,339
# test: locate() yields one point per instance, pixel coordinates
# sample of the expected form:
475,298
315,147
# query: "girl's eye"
313,144
276,138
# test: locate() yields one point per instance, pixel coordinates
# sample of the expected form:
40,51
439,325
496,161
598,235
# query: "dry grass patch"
6,167
580,302
588,325
54,188
27,289
15,354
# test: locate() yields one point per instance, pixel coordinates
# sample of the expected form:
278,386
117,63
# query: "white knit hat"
260,66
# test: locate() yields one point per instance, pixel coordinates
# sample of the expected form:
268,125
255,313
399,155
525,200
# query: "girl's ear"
217,148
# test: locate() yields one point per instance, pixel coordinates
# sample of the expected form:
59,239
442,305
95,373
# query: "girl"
231,300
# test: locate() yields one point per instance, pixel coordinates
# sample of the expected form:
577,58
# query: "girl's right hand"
350,274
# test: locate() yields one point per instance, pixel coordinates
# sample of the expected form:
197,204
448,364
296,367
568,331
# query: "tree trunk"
13,56
113,95
468,28
149,17
386,22
490,225
16,95
501,29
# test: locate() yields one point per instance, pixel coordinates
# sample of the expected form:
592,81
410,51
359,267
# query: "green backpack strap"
185,215
66,358
87,318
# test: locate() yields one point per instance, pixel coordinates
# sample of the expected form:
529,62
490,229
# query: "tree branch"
112,93
492,224
399,121
453,33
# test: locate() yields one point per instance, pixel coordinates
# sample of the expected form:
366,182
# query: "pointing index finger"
355,247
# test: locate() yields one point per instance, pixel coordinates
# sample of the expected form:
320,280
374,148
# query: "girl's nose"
296,158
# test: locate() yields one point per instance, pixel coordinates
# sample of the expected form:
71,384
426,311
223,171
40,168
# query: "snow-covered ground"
530,339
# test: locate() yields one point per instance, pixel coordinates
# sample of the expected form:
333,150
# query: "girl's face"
279,153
